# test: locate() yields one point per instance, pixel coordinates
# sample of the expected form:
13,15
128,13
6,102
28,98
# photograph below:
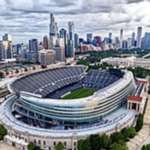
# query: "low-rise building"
47,57
127,62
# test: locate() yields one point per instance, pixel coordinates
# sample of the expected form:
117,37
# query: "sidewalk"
5,146
144,134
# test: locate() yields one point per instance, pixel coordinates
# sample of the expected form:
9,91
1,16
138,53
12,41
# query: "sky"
26,19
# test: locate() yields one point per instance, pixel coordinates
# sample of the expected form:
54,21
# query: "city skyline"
32,21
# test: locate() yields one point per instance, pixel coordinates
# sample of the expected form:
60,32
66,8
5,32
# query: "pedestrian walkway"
138,141
5,146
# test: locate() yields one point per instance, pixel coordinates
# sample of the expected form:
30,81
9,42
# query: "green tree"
1,75
95,142
105,141
116,146
146,147
128,133
139,123
118,138
87,145
3,132
59,146
125,133
131,132
80,144
31,146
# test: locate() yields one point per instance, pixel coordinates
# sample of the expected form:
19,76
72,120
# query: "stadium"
65,104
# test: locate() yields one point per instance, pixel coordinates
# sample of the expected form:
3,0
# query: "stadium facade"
35,111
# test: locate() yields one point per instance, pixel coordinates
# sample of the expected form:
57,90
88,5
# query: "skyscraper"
98,40
7,37
89,37
76,41
6,47
121,38
133,39
129,43
63,34
70,49
46,42
139,37
110,38
147,40
117,42
53,30
33,45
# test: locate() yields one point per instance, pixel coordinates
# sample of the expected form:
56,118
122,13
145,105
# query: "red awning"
134,98
143,81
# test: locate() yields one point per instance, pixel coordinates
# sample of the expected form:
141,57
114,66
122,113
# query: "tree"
125,133
131,132
139,123
59,146
1,75
80,144
105,141
95,142
146,147
116,146
31,146
3,132
128,133
87,145
118,137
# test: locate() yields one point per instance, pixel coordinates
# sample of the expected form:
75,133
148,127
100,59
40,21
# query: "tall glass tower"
53,33
71,48
139,37
121,38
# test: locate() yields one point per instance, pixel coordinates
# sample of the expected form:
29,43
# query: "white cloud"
30,18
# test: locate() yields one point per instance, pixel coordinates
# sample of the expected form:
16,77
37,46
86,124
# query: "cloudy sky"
26,19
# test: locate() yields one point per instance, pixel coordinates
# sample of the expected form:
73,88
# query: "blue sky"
26,19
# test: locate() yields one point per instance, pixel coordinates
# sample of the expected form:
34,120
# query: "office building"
32,56
147,40
7,37
60,53
98,40
23,52
139,37
47,57
121,38
76,41
133,39
6,47
33,45
129,43
124,44
46,42
89,38
117,43
70,48
63,34
110,38
53,30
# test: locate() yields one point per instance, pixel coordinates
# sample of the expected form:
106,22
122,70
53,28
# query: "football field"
80,93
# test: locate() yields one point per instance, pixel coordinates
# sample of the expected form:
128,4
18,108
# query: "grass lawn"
80,93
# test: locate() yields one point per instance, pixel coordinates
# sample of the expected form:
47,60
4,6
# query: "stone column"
137,107
128,105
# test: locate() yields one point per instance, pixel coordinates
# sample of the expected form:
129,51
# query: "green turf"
80,93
